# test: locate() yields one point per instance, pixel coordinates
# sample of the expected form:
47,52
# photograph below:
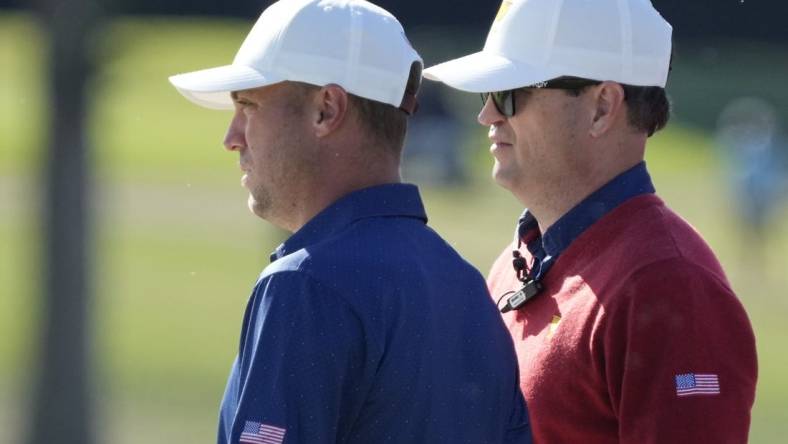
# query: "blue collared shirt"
548,247
366,328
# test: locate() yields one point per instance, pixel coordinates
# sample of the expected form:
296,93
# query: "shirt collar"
548,246
387,200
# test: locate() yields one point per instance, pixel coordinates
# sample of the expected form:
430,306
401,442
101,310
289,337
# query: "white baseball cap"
351,43
531,41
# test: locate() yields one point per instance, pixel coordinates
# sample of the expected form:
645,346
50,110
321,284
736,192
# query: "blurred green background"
176,251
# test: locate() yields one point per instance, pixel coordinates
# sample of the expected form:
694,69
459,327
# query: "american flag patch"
697,384
259,433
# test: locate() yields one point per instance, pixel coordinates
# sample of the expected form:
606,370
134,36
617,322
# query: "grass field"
176,251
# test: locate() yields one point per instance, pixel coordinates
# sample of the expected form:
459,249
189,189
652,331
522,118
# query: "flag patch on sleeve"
690,384
259,433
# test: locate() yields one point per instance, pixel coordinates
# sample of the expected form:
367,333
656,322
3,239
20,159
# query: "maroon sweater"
635,301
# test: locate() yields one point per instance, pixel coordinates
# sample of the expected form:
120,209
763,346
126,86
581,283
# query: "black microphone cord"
531,286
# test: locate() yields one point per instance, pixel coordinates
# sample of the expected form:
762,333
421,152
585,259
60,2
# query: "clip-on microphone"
531,287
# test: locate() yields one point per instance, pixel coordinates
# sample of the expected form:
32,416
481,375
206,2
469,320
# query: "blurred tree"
62,410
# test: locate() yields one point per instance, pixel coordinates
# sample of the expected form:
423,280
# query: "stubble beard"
503,177
260,202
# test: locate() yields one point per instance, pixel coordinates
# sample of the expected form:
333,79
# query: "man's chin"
257,208
263,210
501,177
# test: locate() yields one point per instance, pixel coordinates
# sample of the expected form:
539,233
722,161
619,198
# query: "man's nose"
235,139
489,114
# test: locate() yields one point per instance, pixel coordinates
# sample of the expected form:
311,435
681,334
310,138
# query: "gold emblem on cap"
503,10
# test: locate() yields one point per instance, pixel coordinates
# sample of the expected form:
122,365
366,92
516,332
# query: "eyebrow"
234,96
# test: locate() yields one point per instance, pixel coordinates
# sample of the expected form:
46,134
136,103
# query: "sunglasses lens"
503,101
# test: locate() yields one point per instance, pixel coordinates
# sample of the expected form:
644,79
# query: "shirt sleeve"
300,363
679,358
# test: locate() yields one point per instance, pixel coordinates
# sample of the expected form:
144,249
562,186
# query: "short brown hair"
648,107
387,125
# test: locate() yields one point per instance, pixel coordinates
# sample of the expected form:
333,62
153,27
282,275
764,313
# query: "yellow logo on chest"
553,326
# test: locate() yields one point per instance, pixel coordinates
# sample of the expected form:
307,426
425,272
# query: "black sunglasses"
504,100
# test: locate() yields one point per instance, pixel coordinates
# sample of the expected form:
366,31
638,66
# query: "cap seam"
548,53
282,35
354,46
625,17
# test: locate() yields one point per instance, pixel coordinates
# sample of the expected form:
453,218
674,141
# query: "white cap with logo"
351,43
531,41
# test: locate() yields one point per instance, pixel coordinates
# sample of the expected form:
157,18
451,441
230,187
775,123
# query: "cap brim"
211,87
484,72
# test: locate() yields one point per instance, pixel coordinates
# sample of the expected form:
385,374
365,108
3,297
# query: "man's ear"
608,106
330,110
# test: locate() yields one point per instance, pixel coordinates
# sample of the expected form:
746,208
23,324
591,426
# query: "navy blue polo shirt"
367,327
548,247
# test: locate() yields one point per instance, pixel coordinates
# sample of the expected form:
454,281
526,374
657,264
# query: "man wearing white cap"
366,327
625,325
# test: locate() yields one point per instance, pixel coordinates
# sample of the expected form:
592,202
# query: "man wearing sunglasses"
625,325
